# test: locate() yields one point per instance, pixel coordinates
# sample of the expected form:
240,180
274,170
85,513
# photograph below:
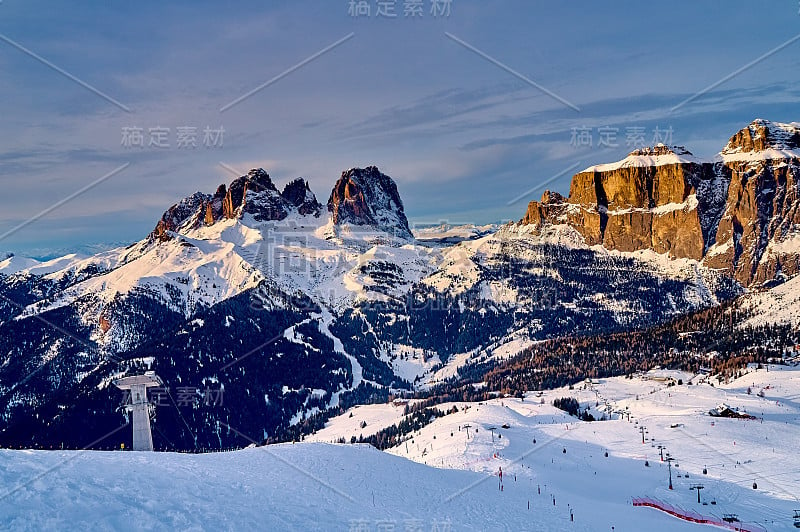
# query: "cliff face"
367,197
739,213
758,237
255,194
647,201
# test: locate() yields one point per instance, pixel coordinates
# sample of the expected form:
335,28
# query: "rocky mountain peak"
738,214
298,193
761,135
367,197
255,194
178,214
550,197
258,177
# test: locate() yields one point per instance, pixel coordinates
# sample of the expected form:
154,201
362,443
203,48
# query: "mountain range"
268,311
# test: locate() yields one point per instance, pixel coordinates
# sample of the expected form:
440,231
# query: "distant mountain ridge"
739,213
298,311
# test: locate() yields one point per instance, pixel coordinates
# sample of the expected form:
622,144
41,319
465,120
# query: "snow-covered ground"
445,479
780,304
735,453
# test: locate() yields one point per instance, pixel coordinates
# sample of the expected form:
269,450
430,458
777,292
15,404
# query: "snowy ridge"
660,155
761,155
452,234
763,140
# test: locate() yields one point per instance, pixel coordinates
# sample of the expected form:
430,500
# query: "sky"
474,107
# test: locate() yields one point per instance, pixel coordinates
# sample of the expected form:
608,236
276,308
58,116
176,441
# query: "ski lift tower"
138,385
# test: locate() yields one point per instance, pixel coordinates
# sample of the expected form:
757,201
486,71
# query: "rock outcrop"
758,237
367,197
361,197
299,194
177,215
214,208
740,213
253,194
647,201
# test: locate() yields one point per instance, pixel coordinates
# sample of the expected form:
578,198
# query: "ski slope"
734,452
439,481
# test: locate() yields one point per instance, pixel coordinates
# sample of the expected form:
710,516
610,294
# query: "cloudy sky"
473,112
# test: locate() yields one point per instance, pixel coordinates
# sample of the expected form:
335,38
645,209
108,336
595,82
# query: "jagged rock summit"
298,193
740,213
367,197
253,194
762,135
361,197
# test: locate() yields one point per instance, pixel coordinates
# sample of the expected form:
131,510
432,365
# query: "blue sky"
461,136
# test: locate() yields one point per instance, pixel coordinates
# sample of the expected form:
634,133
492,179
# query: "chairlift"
730,518
797,518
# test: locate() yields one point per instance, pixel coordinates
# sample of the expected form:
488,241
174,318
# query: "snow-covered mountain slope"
185,274
445,478
223,275
452,234
536,284
777,305
282,487
14,264
538,446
